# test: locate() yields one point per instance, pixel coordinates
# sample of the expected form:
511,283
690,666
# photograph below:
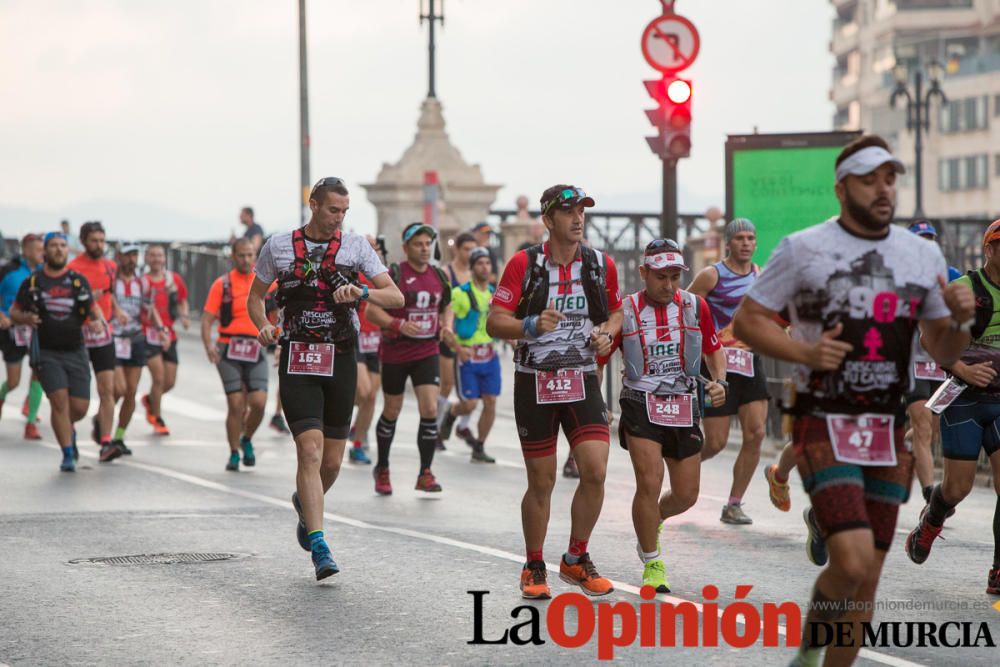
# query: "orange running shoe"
159,427
777,490
584,574
31,432
534,585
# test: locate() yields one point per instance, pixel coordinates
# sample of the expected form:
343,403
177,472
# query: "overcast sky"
183,111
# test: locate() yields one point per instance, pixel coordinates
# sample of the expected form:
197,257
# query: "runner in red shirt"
561,300
169,296
100,273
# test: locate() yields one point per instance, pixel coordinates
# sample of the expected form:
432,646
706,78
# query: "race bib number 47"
864,440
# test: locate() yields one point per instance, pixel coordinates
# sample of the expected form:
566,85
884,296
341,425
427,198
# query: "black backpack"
534,291
984,304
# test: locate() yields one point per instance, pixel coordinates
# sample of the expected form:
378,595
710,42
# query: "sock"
385,431
427,435
649,555
996,534
576,549
4,389
927,492
463,421
938,508
357,444
535,555
35,394
735,500
779,477
316,539
105,440
119,433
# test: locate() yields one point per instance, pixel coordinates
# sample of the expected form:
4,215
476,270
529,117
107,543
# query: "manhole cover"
157,559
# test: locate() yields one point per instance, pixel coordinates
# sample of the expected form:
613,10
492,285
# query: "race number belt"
22,335
243,349
427,324
945,395
100,338
562,386
123,347
928,370
482,353
310,358
368,342
675,410
739,361
864,440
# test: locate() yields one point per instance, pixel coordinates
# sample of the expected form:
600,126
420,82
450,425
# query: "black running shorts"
316,402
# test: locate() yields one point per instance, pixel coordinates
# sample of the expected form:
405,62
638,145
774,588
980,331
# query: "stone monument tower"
398,191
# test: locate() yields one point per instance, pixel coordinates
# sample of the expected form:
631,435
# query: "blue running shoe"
249,460
68,464
323,561
357,455
300,530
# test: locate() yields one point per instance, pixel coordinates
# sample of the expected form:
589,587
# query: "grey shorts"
239,375
64,369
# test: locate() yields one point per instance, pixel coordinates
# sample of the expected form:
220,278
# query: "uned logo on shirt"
570,302
664,349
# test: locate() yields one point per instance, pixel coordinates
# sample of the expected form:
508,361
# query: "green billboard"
782,182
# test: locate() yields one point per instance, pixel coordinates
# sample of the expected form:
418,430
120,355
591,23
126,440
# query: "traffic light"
672,117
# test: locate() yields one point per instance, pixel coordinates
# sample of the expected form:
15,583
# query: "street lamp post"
918,107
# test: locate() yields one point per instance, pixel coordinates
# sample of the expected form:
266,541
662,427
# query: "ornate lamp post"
918,114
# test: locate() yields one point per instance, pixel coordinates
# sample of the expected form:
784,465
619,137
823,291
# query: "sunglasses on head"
328,182
412,230
564,196
661,245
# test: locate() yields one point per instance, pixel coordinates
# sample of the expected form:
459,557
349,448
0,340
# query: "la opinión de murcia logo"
738,624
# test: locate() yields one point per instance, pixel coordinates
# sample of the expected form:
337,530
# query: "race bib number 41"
562,386
310,358
864,440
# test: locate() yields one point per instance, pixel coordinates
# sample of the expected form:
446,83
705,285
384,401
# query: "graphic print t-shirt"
877,288
61,327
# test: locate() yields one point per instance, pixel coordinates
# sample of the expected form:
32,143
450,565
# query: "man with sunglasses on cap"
857,287
100,273
57,303
971,419
560,300
723,285
666,333
15,339
412,333
316,268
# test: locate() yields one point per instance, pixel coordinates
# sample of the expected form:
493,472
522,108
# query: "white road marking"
428,537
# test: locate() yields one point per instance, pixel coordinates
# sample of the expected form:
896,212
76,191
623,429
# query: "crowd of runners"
890,349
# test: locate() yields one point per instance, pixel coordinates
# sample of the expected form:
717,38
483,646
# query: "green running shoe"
653,575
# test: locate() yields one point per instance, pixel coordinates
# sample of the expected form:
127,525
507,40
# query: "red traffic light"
679,91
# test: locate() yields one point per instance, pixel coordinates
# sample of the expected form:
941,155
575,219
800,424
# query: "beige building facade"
961,156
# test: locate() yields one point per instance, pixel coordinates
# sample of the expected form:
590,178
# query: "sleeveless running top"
725,298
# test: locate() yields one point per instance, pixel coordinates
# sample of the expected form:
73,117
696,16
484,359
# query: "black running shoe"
300,529
815,544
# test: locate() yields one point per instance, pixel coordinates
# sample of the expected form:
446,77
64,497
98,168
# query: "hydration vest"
642,368
535,290
305,295
466,327
984,304
80,308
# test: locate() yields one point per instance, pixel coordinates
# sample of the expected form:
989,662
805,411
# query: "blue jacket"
11,283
